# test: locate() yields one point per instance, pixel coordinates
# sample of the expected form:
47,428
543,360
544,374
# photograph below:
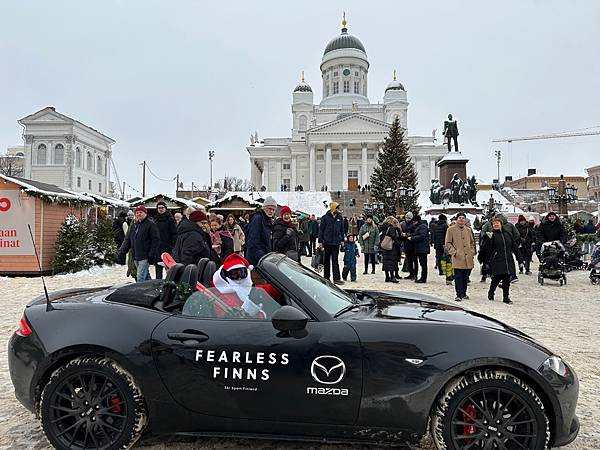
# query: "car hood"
409,306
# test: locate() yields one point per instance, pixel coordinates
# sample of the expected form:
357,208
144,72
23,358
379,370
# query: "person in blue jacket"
260,232
331,236
350,250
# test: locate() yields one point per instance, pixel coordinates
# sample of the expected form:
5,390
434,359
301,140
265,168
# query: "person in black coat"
438,234
420,241
259,238
407,229
118,228
526,244
313,228
501,246
551,229
192,241
285,235
144,240
389,260
167,229
331,236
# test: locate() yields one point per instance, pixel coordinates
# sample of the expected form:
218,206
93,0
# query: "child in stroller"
574,255
552,263
595,264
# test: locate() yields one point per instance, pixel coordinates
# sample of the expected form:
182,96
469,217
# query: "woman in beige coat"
234,228
461,246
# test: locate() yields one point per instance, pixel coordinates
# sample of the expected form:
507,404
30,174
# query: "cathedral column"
293,178
364,175
265,180
344,167
433,167
278,170
328,166
312,169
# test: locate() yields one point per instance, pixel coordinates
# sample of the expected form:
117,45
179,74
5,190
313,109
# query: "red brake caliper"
468,416
116,401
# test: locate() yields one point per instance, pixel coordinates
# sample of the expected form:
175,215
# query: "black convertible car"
101,365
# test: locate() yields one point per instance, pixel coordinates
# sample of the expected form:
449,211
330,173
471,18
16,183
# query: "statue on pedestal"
451,133
456,186
436,192
472,183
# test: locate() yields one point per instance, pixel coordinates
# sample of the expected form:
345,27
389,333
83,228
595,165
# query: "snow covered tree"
395,165
72,247
104,247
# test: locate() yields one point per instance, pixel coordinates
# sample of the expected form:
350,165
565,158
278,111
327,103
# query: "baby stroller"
552,263
317,260
574,256
595,265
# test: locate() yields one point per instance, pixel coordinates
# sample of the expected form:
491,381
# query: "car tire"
463,397
92,401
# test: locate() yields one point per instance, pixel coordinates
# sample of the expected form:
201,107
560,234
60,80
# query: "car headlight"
556,364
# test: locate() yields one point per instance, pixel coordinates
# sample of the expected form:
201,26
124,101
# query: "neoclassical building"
335,143
62,151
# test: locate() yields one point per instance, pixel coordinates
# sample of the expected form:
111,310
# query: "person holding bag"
367,238
389,235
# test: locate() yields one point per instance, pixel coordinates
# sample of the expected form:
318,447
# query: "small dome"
303,87
394,86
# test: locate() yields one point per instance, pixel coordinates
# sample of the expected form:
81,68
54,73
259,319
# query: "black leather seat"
207,274
189,277
169,286
201,265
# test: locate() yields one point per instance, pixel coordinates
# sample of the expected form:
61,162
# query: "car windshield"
322,291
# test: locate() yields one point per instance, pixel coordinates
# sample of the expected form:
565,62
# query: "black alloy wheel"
92,403
490,410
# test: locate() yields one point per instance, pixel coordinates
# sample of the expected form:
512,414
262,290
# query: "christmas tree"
104,247
394,166
72,247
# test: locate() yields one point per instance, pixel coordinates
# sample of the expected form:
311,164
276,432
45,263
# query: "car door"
245,368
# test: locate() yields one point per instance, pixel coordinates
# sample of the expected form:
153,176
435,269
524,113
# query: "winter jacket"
304,231
368,245
389,260
353,226
144,240
408,228
350,250
526,237
331,231
167,229
119,230
192,243
439,234
551,231
420,238
313,226
500,248
222,243
285,236
506,226
259,237
461,246
589,228
239,238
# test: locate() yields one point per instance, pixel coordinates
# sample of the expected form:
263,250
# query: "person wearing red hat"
144,240
234,283
285,235
192,239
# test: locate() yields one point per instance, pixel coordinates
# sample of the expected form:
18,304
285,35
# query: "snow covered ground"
564,319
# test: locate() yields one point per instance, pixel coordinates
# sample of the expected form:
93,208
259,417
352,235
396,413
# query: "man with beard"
193,241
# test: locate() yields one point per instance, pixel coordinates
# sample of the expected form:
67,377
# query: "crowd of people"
398,244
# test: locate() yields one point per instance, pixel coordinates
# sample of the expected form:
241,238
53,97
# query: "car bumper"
24,356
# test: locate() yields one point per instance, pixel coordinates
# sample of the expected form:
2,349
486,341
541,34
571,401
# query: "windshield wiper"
351,307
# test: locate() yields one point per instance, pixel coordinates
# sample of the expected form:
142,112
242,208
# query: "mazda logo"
328,369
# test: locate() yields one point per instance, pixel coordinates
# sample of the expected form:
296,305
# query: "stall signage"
16,211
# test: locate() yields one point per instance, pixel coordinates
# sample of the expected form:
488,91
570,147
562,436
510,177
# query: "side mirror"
288,318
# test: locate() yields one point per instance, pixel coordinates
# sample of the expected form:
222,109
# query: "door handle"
191,338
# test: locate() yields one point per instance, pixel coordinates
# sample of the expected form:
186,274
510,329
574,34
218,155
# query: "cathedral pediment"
47,114
352,123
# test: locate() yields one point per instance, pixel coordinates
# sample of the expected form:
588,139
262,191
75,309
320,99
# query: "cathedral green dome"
303,87
344,40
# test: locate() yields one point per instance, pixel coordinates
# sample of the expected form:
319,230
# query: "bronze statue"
451,132
472,190
456,186
436,192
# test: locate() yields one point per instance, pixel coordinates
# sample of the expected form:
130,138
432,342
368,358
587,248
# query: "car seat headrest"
207,274
175,272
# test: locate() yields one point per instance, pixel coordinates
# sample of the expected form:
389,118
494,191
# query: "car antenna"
49,306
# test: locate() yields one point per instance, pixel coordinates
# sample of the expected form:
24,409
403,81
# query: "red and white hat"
235,261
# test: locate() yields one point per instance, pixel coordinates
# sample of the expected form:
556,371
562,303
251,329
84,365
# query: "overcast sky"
169,80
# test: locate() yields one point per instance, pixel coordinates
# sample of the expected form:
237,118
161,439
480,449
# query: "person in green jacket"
368,238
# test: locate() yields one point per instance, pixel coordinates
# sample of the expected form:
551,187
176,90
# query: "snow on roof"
177,200
453,156
103,200
48,190
309,202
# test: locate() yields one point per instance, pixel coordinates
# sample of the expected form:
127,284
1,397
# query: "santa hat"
235,261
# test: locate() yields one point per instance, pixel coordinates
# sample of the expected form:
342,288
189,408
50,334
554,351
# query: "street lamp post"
211,154
562,195
498,154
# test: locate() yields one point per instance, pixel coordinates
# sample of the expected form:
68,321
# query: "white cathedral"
334,143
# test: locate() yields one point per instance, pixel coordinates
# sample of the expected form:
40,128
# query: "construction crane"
591,131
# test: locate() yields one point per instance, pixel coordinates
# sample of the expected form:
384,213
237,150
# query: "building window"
78,182
335,74
353,173
335,156
90,185
286,166
346,86
326,90
370,155
99,187
302,122
59,154
77,157
356,87
336,87
41,154
99,165
356,73
286,184
320,157
327,77
89,163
